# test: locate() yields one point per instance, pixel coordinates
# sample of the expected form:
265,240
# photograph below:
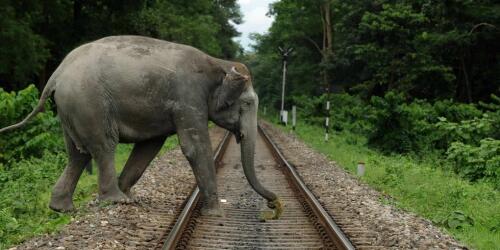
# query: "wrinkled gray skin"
141,90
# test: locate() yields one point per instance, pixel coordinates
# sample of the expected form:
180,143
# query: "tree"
423,49
36,35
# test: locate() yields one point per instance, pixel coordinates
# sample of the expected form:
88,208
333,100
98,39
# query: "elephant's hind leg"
142,154
62,194
108,183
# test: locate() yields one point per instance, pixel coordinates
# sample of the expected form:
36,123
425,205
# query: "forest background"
408,78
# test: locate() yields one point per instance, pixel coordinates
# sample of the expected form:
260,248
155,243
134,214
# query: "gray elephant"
132,89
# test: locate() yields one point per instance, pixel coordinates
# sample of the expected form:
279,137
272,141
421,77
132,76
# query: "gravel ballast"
159,194
168,181
355,206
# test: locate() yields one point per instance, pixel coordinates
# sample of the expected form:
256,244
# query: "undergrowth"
468,211
31,160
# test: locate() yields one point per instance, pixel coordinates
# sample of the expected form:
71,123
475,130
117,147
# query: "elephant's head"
234,106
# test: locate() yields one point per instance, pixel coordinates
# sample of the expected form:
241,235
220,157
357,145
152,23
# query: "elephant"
135,89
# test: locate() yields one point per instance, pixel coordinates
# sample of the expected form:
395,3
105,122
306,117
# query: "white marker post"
285,117
327,120
294,116
361,168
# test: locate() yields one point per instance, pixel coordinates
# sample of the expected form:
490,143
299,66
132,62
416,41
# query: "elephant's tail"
47,91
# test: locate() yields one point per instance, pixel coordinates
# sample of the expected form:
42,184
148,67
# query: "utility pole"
284,54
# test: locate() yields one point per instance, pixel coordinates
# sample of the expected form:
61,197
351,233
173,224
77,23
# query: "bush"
456,112
477,162
41,134
402,128
24,197
466,131
462,134
347,112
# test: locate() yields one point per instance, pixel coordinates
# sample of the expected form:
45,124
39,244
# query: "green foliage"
457,220
24,198
430,50
400,127
467,131
41,134
201,23
477,162
348,112
22,51
31,159
36,35
458,133
469,211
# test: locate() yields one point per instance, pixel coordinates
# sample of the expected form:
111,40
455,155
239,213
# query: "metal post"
283,90
327,120
294,116
284,54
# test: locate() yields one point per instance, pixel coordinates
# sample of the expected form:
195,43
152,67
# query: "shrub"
400,127
39,135
456,112
23,200
463,134
347,112
477,162
466,131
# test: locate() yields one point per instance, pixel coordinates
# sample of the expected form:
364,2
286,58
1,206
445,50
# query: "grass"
25,194
469,212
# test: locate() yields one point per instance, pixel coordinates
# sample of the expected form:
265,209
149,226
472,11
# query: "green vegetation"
465,136
36,35
34,38
431,50
469,211
31,160
414,87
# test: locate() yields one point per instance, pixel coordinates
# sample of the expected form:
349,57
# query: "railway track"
304,224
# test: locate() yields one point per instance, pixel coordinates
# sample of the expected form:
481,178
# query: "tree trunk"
468,90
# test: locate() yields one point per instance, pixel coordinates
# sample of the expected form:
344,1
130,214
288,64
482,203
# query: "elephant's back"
138,47
125,57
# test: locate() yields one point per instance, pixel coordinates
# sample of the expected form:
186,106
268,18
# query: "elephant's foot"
277,210
127,191
115,197
218,212
129,194
62,205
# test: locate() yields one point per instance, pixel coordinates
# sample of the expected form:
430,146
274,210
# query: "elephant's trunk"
248,126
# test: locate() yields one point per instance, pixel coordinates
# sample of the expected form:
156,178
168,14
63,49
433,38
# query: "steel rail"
328,225
181,223
332,229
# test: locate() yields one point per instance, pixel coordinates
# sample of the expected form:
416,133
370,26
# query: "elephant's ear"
229,91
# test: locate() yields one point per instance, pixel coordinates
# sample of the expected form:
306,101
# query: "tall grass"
468,211
26,189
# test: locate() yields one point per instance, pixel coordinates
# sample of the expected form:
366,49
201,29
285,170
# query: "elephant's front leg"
196,146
